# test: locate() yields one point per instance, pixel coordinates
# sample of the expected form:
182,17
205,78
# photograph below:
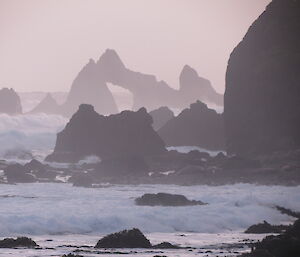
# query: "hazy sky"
44,43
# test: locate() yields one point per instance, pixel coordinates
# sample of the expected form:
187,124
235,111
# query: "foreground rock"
133,238
284,245
15,173
19,242
124,134
266,228
10,102
195,126
261,102
164,199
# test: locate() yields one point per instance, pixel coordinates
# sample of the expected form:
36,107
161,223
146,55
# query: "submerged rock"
133,238
19,242
166,245
164,199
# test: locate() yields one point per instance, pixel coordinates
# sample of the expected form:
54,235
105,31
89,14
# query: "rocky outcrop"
196,126
193,88
165,199
161,116
133,238
261,104
265,228
10,102
284,245
18,242
48,105
16,173
116,136
89,87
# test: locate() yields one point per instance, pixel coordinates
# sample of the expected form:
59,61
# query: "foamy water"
80,216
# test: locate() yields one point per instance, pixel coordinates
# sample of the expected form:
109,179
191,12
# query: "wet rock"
19,242
133,238
265,228
164,199
166,245
161,116
16,173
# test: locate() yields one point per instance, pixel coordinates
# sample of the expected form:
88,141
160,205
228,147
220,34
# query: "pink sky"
44,43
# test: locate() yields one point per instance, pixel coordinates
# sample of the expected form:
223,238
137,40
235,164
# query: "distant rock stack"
10,102
89,88
47,105
161,116
116,136
193,88
262,98
195,126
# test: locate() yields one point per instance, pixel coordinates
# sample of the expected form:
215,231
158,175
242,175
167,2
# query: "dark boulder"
164,199
19,242
265,228
261,102
81,180
166,245
16,173
161,116
88,133
10,102
195,126
133,238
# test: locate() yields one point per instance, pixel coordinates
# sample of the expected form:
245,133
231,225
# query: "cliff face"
10,102
115,136
262,97
89,88
195,126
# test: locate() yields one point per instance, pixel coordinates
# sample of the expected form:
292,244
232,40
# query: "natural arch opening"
123,97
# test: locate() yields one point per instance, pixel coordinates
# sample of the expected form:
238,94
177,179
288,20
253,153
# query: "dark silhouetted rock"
19,242
161,116
48,105
89,88
16,173
120,135
265,228
284,245
165,245
81,180
133,238
193,88
261,103
164,199
10,102
39,170
196,126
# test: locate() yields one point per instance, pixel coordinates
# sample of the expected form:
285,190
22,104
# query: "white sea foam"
186,149
61,208
35,132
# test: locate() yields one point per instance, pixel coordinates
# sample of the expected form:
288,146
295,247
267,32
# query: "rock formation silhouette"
261,105
161,116
47,105
195,126
10,102
116,136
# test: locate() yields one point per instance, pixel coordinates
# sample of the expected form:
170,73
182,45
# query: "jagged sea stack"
10,102
262,98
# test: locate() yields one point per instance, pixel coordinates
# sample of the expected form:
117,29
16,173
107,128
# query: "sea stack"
261,104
